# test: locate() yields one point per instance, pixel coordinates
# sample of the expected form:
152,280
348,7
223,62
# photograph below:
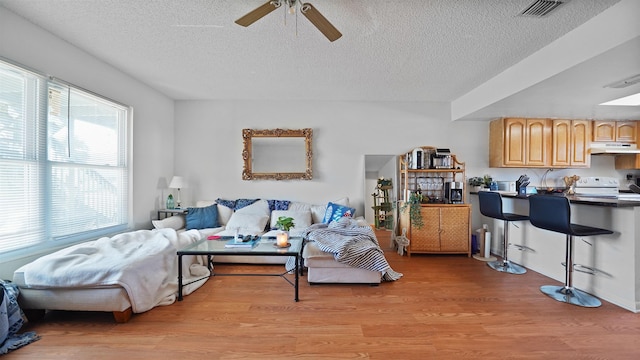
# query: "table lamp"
177,182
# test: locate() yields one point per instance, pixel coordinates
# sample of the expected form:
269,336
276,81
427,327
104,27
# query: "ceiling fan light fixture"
320,22
308,10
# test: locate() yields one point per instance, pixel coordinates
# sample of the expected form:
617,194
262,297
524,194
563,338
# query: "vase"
170,203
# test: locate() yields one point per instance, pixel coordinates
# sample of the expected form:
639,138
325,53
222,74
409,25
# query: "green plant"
285,223
414,209
476,181
487,180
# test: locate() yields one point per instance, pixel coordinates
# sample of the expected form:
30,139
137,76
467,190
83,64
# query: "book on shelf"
240,244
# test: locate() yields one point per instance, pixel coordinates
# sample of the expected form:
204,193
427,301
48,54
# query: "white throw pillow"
175,222
301,219
260,207
248,222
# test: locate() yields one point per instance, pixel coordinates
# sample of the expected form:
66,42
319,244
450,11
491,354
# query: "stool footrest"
570,295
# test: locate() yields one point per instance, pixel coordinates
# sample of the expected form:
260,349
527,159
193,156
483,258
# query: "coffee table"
264,247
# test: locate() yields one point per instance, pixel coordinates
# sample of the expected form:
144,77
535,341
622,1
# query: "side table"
164,213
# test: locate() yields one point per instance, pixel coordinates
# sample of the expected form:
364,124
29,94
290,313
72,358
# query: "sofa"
128,273
258,217
94,276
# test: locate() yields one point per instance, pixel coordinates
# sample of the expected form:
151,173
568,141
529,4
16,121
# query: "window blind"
63,162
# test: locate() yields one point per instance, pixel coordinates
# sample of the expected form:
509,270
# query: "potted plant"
285,223
476,183
415,199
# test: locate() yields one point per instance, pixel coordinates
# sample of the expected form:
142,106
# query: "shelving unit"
429,181
446,227
382,208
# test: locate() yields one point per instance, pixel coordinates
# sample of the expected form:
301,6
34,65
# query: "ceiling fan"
308,10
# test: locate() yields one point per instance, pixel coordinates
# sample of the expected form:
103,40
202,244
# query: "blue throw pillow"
202,218
335,211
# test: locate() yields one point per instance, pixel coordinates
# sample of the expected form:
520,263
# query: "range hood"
613,148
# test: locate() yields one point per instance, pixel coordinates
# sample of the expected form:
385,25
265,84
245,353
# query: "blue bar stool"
491,206
553,213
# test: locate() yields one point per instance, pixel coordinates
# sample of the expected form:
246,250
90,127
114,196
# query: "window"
63,162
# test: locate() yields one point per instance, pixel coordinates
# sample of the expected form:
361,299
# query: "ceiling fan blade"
320,22
258,13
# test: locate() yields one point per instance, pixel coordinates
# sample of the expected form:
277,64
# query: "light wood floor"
445,307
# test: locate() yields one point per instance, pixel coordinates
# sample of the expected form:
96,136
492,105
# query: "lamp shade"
177,182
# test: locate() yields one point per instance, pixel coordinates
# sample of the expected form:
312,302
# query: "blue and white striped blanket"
353,245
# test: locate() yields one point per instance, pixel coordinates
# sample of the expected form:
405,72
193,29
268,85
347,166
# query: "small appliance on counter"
441,159
453,192
416,160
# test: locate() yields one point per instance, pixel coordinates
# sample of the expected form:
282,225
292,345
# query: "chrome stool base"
570,296
507,266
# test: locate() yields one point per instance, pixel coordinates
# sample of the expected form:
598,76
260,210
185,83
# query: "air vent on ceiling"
624,83
540,8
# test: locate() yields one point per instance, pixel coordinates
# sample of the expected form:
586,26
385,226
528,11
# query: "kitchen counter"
626,199
616,256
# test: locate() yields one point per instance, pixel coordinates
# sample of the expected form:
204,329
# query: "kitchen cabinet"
627,162
615,131
446,229
519,142
570,143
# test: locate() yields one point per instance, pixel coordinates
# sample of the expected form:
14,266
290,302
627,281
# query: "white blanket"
143,262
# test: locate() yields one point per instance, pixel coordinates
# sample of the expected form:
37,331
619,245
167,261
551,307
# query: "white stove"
593,186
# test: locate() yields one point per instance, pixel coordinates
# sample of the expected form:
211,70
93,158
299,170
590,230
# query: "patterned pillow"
202,218
278,204
240,203
231,204
334,212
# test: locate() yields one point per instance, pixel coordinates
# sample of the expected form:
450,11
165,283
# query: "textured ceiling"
405,50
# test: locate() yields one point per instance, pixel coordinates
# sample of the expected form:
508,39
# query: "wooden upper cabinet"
571,142
519,142
618,131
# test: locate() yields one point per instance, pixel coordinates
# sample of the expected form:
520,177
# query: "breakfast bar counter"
615,257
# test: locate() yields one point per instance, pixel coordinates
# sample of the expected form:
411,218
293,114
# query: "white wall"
209,146
26,44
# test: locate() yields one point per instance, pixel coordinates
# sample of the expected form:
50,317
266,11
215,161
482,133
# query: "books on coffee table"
242,244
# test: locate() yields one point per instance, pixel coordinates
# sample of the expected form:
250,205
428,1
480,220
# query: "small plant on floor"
285,223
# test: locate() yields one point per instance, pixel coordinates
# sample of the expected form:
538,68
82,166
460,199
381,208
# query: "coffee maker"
453,192
441,159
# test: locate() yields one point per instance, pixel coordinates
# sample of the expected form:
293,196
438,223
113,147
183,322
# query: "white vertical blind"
69,183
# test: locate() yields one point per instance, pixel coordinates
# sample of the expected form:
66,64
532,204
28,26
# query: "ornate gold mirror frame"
275,148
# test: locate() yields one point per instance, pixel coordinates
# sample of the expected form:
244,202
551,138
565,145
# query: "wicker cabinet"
445,229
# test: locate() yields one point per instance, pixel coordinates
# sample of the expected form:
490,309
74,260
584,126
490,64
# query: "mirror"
277,154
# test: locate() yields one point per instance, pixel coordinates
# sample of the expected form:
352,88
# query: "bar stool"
553,213
491,206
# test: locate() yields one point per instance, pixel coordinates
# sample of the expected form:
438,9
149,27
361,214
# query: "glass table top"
264,246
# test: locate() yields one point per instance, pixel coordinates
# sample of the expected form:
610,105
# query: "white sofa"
259,219
255,219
